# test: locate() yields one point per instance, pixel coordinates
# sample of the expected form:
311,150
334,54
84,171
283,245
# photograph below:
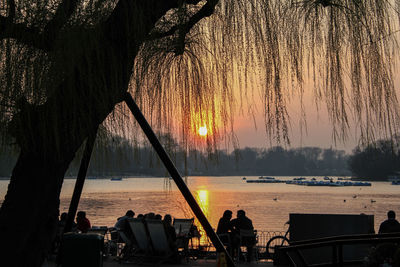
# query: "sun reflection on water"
202,198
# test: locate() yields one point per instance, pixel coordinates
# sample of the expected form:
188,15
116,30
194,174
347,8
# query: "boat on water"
266,178
116,179
328,183
394,179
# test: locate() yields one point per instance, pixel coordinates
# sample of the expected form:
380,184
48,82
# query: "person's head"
63,216
167,219
227,214
149,215
391,214
81,214
241,213
157,217
140,216
130,213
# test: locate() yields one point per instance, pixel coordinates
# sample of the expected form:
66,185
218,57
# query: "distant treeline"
376,161
114,155
117,156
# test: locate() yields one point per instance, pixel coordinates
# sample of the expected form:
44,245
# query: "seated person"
60,231
391,225
125,233
122,224
171,236
242,222
169,229
225,230
149,216
82,223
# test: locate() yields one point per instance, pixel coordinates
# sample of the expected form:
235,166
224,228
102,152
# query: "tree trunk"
49,135
29,213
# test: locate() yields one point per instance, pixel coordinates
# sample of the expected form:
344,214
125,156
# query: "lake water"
268,205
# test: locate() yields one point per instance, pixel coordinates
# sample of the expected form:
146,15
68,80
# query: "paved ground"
191,263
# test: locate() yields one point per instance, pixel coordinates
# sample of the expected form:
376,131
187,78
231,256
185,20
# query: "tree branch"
53,27
11,11
205,11
32,36
21,33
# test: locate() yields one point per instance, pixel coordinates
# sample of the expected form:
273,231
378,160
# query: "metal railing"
262,239
336,243
204,245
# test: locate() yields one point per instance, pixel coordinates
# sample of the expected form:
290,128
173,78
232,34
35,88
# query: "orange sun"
203,131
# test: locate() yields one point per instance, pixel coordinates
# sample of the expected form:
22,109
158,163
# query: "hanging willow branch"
202,57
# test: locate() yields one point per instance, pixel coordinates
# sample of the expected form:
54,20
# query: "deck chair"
142,241
102,230
162,247
183,226
183,229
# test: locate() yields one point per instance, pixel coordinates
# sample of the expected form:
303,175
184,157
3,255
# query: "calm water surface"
105,200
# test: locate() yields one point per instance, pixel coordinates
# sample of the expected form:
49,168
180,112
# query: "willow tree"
65,66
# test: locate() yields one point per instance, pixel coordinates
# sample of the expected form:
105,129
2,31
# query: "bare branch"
63,13
158,35
21,33
32,36
11,11
206,10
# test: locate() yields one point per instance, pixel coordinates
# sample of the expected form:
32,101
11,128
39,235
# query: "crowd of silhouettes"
229,230
123,228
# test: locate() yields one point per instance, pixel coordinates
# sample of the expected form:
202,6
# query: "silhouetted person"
122,222
60,231
172,239
244,223
62,221
82,223
157,217
125,232
169,229
391,225
149,216
225,231
224,224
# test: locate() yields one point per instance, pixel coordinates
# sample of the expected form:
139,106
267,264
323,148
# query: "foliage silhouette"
376,161
65,66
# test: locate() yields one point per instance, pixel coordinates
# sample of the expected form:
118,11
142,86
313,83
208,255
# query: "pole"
176,176
80,180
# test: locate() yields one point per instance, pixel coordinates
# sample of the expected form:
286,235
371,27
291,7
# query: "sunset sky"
319,128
